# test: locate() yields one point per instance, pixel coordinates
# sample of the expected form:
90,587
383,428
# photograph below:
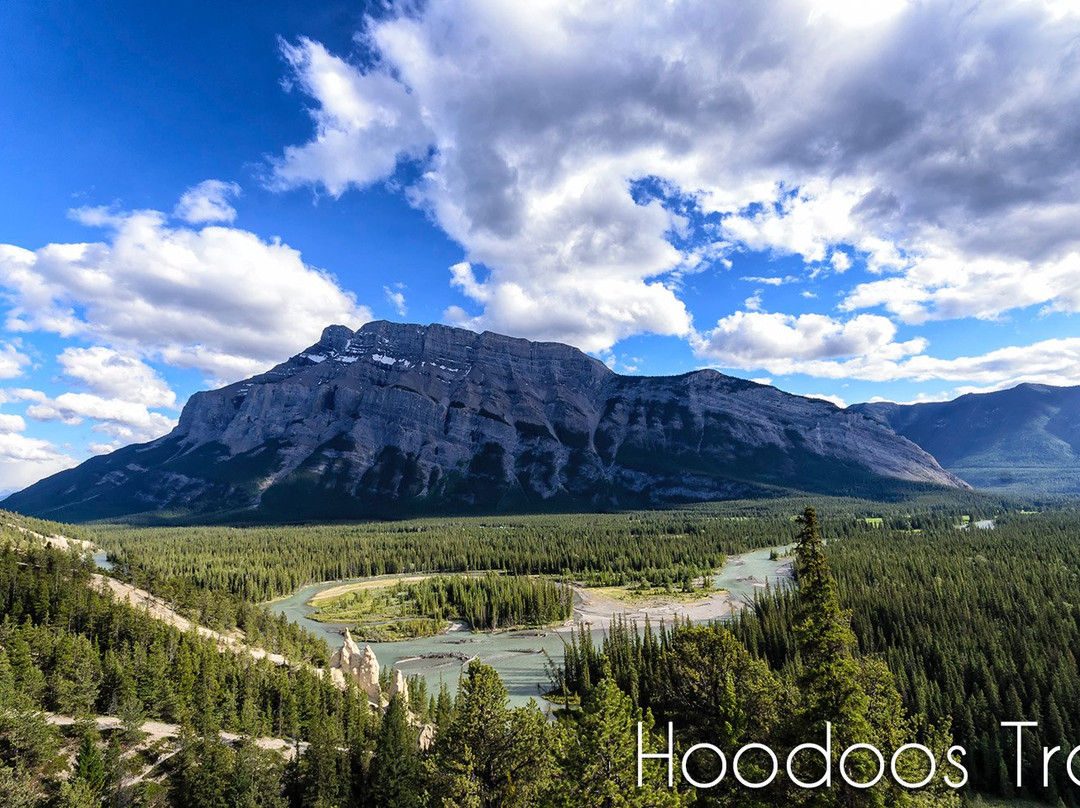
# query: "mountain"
1024,440
398,419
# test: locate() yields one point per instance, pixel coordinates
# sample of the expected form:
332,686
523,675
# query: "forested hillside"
259,563
1024,440
905,627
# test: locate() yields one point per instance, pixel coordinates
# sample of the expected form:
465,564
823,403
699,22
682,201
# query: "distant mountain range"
1024,440
397,419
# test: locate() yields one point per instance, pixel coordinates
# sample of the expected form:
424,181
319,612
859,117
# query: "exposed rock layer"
395,419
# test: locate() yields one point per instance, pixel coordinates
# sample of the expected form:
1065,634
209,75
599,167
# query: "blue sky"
849,200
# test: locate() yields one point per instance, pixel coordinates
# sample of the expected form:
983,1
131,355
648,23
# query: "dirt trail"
160,610
58,542
155,731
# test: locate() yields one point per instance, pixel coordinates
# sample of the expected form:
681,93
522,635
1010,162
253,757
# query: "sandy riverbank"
595,606
598,609
377,582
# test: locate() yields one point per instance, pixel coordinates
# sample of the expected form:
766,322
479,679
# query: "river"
520,657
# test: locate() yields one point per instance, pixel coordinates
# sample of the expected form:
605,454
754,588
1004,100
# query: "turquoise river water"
520,657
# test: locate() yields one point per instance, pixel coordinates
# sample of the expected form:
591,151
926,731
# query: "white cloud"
783,343
395,295
207,202
809,221
774,280
840,261
25,460
856,13
903,134
865,348
9,394
839,402
123,419
1052,361
942,285
11,423
12,362
112,374
365,123
218,299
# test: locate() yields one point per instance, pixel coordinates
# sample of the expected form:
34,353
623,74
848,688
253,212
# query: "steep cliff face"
1025,440
394,419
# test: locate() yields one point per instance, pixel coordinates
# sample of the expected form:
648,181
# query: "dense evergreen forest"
260,563
979,626
419,608
904,628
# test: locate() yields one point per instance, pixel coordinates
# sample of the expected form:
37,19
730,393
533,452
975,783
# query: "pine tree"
28,678
256,778
74,793
857,696
203,773
76,675
394,778
597,751
489,753
322,779
7,680
90,766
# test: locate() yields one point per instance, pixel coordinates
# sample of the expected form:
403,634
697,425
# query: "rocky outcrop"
397,419
399,687
427,736
361,667
349,663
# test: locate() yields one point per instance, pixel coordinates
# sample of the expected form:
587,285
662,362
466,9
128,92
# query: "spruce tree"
489,754
394,777
90,766
597,750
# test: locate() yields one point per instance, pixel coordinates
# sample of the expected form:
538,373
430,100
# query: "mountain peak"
336,337
396,418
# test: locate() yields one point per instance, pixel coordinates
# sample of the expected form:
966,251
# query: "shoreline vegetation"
425,605
392,608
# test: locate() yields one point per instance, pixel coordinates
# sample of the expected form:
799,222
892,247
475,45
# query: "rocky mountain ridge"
1024,440
396,419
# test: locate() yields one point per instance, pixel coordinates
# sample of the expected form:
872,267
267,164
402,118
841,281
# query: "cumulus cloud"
114,375
218,299
11,423
919,132
365,123
865,348
783,343
122,419
12,361
25,460
941,285
207,202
